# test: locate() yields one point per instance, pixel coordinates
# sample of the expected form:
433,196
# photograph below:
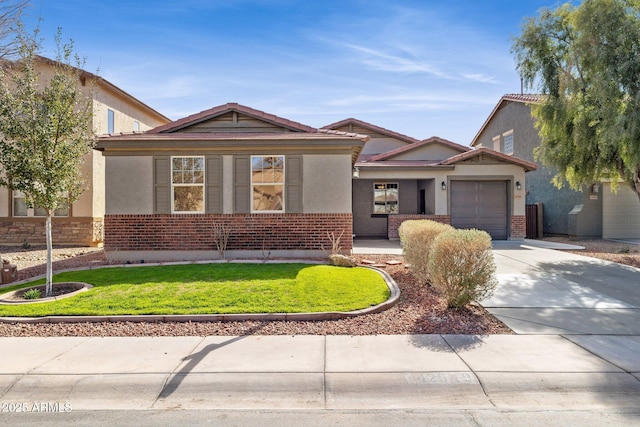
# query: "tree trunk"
49,285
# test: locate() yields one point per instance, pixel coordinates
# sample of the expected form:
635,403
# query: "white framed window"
187,184
267,183
496,143
136,126
21,207
111,121
508,142
385,198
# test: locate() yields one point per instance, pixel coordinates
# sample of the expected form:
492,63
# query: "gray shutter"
241,184
293,184
213,183
161,185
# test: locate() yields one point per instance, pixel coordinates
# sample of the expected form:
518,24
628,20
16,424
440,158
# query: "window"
110,121
136,126
496,143
508,142
385,198
187,184
21,208
267,183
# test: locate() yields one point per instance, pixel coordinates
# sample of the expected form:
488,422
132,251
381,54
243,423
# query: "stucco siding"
326,184
4,199
382,145
428,152
621,213
129,185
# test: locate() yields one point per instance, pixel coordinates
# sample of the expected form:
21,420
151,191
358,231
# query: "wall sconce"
518,186
356,172
595,188
444,185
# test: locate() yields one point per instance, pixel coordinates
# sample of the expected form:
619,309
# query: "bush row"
457,263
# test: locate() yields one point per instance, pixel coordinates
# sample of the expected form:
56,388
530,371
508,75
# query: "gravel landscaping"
419,311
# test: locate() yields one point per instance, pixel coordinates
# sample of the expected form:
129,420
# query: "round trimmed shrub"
461,266
416,237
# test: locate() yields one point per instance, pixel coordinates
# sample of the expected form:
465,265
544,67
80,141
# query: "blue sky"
422,68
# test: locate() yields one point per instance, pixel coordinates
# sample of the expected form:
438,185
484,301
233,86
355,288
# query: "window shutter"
293,184
161,185
241,184
214,184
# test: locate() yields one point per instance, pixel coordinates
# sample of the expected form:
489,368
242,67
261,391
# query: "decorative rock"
367,261
394,262
342,260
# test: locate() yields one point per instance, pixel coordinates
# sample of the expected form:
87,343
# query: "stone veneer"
85,231
252,232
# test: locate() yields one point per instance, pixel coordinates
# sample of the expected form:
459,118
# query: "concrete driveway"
544,291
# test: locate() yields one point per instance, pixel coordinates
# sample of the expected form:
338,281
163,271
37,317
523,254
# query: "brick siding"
395,221
518,227
248,231
83,231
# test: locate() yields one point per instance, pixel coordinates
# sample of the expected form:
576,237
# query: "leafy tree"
45,129
585,60
10,11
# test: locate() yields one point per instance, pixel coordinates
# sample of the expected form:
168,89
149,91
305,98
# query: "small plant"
32,294
336,247
221,236
26,245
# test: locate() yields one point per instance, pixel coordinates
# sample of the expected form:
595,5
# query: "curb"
326,315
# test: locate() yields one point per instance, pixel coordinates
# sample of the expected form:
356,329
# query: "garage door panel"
481,205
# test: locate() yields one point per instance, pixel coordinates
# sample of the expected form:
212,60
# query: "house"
398,177
114,110
594,212
278,187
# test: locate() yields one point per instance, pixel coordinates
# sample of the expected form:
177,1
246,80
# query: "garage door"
481,205
620,213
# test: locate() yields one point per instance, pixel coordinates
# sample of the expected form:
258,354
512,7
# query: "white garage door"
481,205
620,213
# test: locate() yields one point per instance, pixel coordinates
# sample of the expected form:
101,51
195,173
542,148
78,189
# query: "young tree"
585,60
45,130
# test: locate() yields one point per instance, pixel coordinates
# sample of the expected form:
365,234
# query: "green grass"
212,289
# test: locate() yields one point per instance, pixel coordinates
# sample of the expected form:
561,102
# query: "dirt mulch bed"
419,311
610,250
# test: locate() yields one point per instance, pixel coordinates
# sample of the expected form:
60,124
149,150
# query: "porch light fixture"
356,172
444,185
518,186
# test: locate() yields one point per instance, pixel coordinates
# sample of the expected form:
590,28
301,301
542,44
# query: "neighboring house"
594,212
280,188
398,178
81,223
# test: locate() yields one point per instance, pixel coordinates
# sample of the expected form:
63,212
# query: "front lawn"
211,289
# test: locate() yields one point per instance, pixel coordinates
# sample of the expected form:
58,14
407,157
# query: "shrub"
32,294
462,267
416,237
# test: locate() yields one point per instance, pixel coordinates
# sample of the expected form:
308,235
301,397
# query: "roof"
110,86
229,107
415,145
513,97
528,166
378,129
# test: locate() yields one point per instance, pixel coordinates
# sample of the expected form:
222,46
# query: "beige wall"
433,151
327,184
4,198
621,213
129,185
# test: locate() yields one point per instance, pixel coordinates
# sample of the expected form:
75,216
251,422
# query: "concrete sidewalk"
500,372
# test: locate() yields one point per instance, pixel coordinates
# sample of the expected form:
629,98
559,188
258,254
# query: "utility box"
9,273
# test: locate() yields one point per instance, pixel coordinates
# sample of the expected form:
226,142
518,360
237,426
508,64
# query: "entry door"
481,205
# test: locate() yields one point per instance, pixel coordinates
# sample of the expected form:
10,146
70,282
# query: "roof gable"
232,118
513,97
434,148
485,155
362,127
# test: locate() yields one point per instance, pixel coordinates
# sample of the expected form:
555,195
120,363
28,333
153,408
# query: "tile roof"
372,127
428,141
528,166
228,107
526,98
